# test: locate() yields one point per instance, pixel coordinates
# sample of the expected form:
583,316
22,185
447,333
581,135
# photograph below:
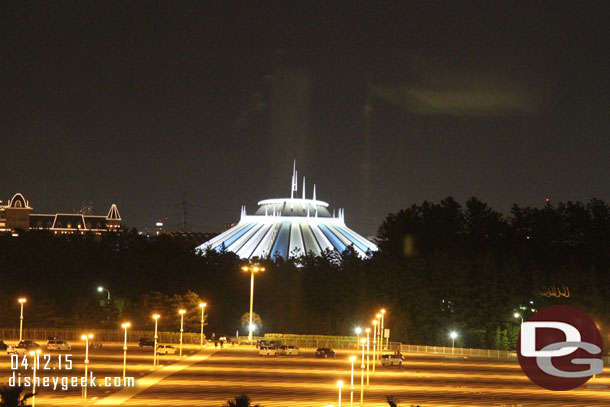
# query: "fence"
484,353
99,335
322,341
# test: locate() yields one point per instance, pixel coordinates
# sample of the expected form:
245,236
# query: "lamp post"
358,331
202,306
340,386
21,301
125,326
156,318
351,393
181,312
32,353
453,335
363,342
517,315
368,353
378,326
374,344
86,339
252,270
101,289
381,329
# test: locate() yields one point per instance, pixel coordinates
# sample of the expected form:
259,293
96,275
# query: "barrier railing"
99,335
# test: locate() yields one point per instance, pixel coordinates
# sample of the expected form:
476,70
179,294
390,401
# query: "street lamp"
378,316
363,342
101,289
125,326
358,331
202,306
381,329
517,315
368,353
453,335
156,318
21,301
374,344
351,394
340,386
181,312
32,353
86,339
252,270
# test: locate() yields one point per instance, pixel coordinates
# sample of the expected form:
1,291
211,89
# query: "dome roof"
289,228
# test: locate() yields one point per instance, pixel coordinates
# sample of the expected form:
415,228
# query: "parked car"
23,347
267,351
325,353
275,344
58,344
145,342
3,346
261,342
166,350
292,351
391,360
281,350
95,345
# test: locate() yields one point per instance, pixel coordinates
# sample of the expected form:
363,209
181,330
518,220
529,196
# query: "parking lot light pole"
36,354
181,312
252,270
374,344
381,332
351,393
358,331
453,335
363,342
368,352
378,327
340,386
125,326
202,305
156,318
86,339
21,301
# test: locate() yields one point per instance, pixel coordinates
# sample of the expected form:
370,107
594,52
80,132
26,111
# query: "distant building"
289,228
17,215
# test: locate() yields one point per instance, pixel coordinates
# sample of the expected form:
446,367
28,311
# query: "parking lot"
210,376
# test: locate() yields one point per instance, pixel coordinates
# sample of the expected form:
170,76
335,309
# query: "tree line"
441,267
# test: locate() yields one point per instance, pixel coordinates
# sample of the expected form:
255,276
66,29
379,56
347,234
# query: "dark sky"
383,104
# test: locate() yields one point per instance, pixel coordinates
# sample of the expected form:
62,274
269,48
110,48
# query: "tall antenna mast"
184,223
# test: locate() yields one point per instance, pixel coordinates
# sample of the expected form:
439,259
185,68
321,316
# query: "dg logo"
560,348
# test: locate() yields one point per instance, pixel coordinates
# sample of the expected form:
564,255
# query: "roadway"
210,377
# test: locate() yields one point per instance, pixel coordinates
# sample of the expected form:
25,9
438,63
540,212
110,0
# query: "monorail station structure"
289,228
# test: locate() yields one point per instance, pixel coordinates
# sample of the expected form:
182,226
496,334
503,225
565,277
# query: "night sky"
383,105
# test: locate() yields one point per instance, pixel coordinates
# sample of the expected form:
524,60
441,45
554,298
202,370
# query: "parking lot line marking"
144,383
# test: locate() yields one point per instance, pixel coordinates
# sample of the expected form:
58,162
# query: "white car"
292,351
391,360
16,350
56,344
166,350
267,351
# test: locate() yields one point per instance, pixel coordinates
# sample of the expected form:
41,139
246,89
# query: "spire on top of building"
113,213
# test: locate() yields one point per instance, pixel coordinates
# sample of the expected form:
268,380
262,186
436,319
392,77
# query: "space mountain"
290,228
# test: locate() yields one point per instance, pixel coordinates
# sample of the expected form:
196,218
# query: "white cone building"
289,228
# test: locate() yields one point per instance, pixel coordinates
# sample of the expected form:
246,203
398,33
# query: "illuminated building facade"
17,215
290,228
